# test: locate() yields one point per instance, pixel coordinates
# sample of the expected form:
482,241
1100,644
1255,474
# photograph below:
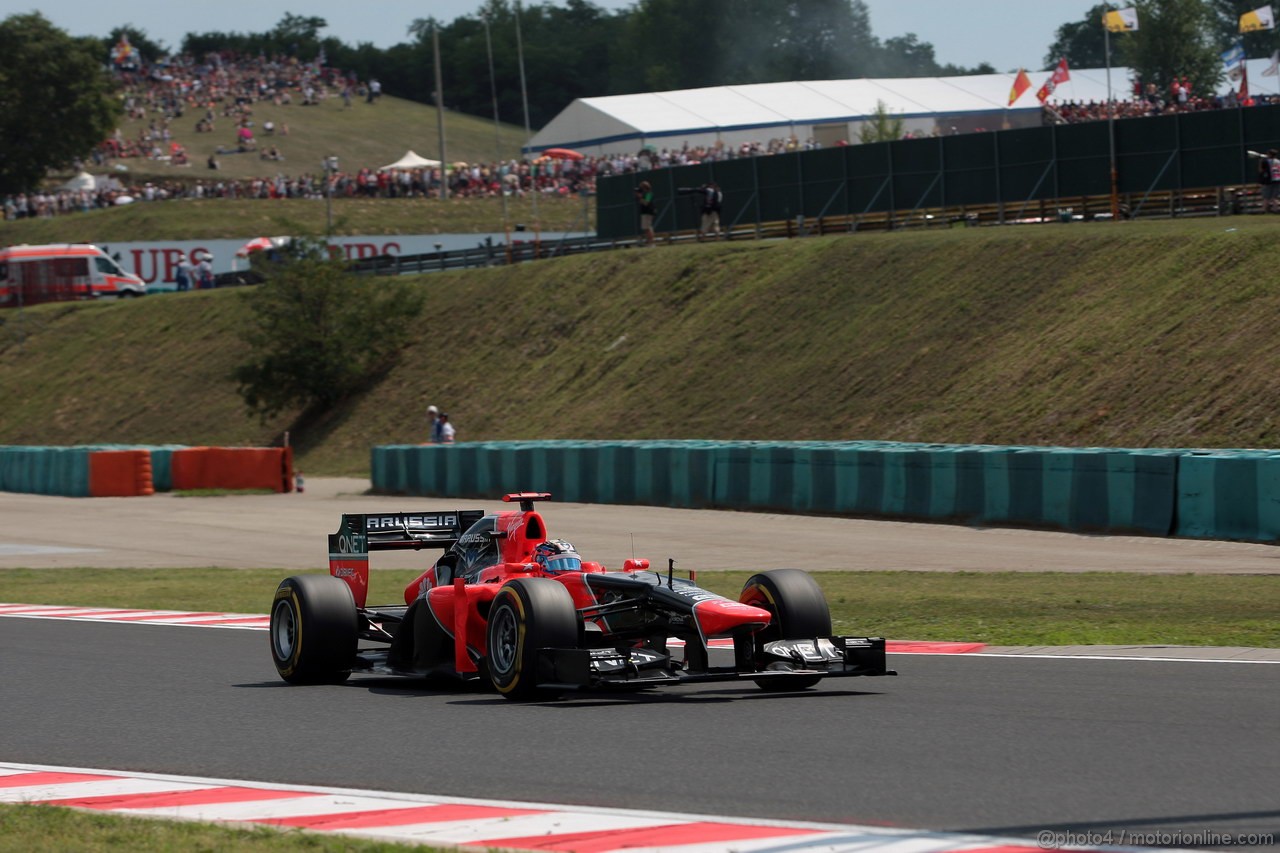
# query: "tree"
299,29
1175,38
1082,43
907,56
317,335
882,127
56,101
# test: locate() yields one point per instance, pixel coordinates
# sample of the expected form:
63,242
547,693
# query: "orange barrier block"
120,473
233,468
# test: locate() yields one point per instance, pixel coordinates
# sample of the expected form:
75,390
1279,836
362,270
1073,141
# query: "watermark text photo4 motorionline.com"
1050,839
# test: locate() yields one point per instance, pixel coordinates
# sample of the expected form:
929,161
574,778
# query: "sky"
1009,34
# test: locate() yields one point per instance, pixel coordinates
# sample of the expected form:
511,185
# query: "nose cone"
719,617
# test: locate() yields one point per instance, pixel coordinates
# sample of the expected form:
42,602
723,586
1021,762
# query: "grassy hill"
362,135
1127,334
218,218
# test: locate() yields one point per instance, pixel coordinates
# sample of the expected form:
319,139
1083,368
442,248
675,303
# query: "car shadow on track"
604,700
476,693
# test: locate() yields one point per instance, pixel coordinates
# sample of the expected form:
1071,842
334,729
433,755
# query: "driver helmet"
556,555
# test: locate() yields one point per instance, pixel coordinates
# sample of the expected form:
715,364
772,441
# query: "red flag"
1021,84
1060,75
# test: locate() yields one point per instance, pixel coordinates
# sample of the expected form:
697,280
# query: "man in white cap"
434,428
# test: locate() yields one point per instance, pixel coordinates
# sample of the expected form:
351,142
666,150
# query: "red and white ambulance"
55,273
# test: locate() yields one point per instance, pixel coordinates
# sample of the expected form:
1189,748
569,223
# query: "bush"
319,334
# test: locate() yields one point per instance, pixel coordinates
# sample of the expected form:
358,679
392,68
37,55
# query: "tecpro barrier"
45,470
120,473
234,468
1229,495
123,470
1205,494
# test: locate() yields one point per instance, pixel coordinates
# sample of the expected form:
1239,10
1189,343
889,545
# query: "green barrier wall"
1219,494
1229,495
45,470
1016,168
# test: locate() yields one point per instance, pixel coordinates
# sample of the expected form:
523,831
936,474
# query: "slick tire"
527,614
799,612
314,630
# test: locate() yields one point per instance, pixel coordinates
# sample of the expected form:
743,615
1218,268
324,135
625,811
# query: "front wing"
632,669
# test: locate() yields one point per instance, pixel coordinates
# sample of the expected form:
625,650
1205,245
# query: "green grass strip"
50,829
999,608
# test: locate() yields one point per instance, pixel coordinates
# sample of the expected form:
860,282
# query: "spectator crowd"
223,89
1149,101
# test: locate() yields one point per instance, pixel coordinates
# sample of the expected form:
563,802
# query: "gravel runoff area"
288,532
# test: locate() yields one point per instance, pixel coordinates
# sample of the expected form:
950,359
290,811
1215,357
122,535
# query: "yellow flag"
1259,19
1121,20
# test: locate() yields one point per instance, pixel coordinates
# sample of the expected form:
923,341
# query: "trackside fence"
1218,494
1184,164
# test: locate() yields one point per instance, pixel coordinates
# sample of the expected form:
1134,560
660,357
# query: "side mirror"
634,565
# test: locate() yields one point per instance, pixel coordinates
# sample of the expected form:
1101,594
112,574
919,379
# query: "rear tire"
527,614
314,630
799,612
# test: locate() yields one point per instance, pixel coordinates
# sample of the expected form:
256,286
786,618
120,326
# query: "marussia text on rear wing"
361,533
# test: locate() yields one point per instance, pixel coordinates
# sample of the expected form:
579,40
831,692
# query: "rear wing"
360,533
401,531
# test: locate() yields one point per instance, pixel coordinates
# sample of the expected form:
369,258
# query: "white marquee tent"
86,181
410,161
826,110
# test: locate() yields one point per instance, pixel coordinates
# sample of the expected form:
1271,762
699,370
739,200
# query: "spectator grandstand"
221,90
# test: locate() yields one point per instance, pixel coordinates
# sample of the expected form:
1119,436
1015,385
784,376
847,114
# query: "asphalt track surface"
994,745
1002,746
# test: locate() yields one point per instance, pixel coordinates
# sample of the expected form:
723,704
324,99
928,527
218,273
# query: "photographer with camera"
644,198
709,199
1269,179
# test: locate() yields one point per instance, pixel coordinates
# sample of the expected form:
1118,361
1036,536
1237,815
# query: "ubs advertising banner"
156,262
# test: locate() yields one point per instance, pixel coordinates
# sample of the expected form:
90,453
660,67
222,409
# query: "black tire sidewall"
326,629
544,617
800,612
796,601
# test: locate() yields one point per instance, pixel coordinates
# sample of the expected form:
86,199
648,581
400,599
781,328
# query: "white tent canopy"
410,161
760,111
86,181
82,181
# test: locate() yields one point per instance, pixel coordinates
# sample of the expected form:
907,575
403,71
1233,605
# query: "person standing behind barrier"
447,432
204,272
711,201
182,278
434,426
644,198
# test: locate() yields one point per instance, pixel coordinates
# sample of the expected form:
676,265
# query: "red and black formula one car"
526,612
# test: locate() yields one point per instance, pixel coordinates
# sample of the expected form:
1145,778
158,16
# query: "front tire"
314,630
799,612
527,614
